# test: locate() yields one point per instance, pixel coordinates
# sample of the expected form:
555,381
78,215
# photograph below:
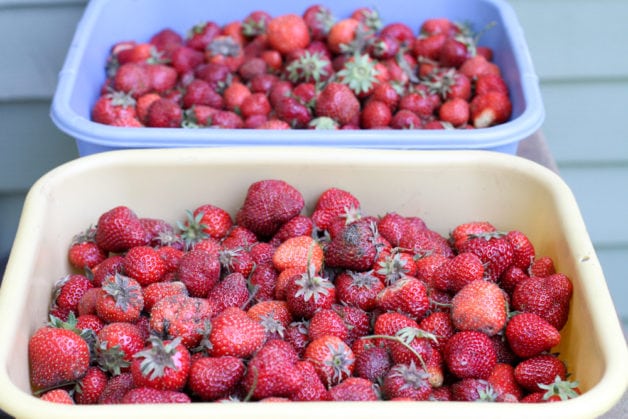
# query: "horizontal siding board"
37,40
575,38
30,144
586,122
601,193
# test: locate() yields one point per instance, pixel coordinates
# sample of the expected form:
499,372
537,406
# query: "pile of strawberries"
309,71
274,305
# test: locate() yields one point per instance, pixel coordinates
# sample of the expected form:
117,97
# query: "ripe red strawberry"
213,378
394,265
503,381
119,229
308,292
110,266
180,316
333,359
164,113
231,291
354,389
236,260
480,305
494,250
120,299
523,249
529,334
470,354
87,304
144,264
327,322
91,386
490,109
268,205
236,334
359,289
161,232
116,344
559,390
132,78
162,365
263,282
477,66
354,247
541,267
69,290
407,381
301,252
358,321
202,34
423,241
510,278
152,293
540,369
473,389
56,357
116,387
462,232
215,221
199,271
439,324
455,111
392,226
342,32
319,19
300,225
89,321
547,297
337,101
146,395
372,363
272,372
408,295
312,388
58,395
273,315
455,273
163,78
84,252
333,203
288,33
262,253
427,265
200,92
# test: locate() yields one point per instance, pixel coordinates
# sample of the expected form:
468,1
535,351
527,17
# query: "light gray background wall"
579,51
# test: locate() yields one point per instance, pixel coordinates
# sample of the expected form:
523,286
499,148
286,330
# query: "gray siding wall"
578,47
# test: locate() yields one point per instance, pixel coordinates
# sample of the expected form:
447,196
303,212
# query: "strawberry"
299,252
273,315
337,101
84,252
541,267
268,205
288,33
164,113
234,95
183,317
308,67
232,291
116,387
490,109
308,292
457,272
116,344
359,73
89,321
161,365
333,203
199,271
263,282
163,78
215,221
166,40
333,359
354,389
213,378
69,291
375,114
262,253
510,278
185,59
354,247
110,266
327,322
200,92
494,250
529,334
560,389
236,260
161,232
319,19
227,50
480,305
427,265
255,104
342,32
406,381
300,225
58,395
454,111
152,293
144,264
312,388
439,324
503,381
144,395
523,249
423,241
473,389
202,34
477,66
359,289
463,232
547,297
408,295
120,299
132,78
470,354
119,229
90,387
236,334
373,363
272,372
56,357
539,370
429,46
490,82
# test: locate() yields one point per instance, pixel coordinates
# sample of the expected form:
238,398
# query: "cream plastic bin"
443,187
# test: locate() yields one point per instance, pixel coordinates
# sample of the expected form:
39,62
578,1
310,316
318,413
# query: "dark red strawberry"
231,291
144,264
91,386
120,299
547,297
69,291
180,316
312,388
337,101
199,271
406,381
119,229
202,34
529,334
540,369
116,344
373,363
164,113
234,333
358,289
213,378
470,354
145,395
354,389
490,109
117,386
308,292
354,247
494,250
333,359
133,78
162,365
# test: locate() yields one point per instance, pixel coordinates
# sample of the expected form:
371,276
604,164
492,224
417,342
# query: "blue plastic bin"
106,22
